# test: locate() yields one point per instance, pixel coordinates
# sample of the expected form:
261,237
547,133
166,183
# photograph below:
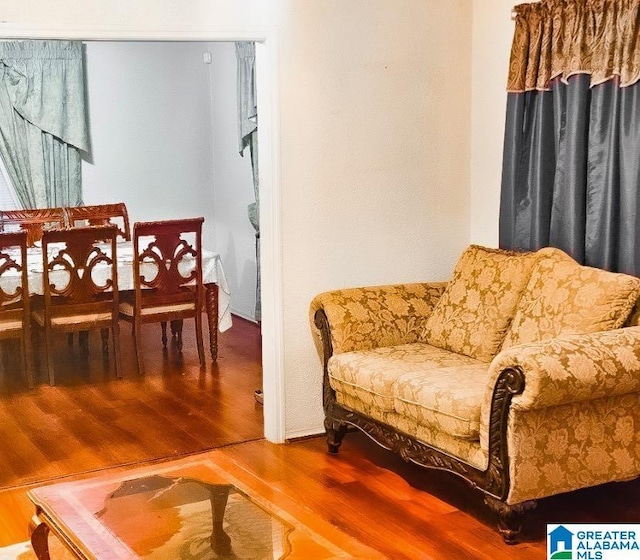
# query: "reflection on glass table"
160,517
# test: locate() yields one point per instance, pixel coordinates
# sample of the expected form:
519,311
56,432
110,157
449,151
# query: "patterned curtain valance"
45,82
565,37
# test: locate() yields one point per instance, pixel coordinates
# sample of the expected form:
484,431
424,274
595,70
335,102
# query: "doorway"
268,138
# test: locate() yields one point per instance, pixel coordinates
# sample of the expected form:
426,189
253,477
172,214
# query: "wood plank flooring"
91,422
407,512
396,508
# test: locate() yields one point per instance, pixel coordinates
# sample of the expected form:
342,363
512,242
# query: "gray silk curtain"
248,136
43,120
571,165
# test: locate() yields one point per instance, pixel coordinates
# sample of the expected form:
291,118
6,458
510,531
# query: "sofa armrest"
371,317
572,368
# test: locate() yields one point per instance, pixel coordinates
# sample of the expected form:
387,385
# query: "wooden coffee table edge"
41,526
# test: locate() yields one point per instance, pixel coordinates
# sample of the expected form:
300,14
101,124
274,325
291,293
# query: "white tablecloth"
212,273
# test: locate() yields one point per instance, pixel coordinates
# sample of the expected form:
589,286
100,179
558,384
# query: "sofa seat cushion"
563,297
371,375
479,303
445,398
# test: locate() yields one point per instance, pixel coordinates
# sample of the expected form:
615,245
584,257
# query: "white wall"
150,121
371,145
492,36
233,182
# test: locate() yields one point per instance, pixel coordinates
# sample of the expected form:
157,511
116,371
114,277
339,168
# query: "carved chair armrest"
573,368
371,317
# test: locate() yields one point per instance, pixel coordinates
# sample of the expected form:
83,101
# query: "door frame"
268,174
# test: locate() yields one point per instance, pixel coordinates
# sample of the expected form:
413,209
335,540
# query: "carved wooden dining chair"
80,281
167,276
15,320
101,215
34,220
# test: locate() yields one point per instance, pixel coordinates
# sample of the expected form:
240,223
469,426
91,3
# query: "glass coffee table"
187,509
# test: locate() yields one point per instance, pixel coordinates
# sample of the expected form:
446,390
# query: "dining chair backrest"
34,221
101,215
167,279
80,285
14,294
168,262
80,272
13,259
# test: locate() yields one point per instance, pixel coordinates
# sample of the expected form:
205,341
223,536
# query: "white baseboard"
301,434
243,316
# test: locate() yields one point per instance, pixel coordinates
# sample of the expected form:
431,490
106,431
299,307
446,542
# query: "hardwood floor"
400,510
407,512
396,508
91,420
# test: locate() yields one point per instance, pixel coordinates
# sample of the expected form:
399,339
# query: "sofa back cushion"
634,317
564,297
473,314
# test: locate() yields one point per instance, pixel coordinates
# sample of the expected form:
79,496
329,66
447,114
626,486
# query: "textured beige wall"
374,141
492,35
374,157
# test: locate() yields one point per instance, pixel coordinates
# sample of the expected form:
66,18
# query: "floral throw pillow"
564,297
479,302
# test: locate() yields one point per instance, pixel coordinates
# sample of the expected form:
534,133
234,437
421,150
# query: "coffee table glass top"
161,517
192,508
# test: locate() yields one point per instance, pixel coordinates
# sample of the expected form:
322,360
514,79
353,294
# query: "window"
7,194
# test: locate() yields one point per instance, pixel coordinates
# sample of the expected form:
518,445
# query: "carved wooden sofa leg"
335,434
510,517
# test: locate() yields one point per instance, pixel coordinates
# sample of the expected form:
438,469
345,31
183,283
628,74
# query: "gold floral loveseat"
521,374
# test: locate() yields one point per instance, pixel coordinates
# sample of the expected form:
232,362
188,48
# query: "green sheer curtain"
43,120
248,136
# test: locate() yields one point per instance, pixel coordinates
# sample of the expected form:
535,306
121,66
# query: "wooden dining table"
217,295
